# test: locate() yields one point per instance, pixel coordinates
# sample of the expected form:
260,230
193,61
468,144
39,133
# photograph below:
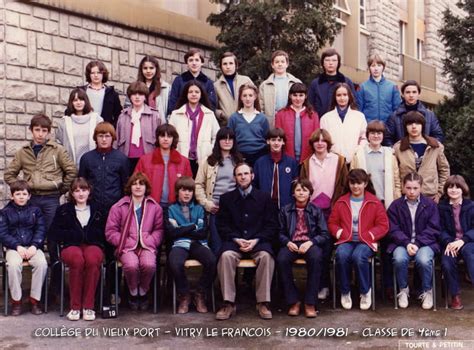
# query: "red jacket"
152,165
373,220
285,119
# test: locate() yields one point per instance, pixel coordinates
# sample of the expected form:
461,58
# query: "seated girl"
187,232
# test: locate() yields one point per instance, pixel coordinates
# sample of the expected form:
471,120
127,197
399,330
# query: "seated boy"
22,232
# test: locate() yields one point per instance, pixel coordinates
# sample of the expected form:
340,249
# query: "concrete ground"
384,328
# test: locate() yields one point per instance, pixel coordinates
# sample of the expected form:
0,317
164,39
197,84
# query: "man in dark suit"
247,224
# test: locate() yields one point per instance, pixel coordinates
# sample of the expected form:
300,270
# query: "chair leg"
174,297
61,303
213,299
334,284
101,287
395,285
45,283
5,284
444,285
373,283
116,288
155,292
434,285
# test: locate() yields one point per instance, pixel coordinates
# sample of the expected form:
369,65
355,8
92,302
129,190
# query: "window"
362,20
342,6
419,49
402,37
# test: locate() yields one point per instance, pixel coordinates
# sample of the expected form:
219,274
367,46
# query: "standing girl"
195,123
357,221
344,122
250,125
135,229
76,129
136,125
299,121
79,226
159,90
216,177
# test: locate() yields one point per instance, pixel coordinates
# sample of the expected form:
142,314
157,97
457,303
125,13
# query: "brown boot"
310,311
200,302
16,309
264,311
184,301
226,311
294,309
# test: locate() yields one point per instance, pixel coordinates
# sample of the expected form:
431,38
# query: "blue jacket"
181,80
448,230
395,131
427,225
107,173
180,231
287,172
22,226
321,90
378,100
317,229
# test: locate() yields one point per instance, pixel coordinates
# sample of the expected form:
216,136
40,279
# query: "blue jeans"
450,267
356,253
423,263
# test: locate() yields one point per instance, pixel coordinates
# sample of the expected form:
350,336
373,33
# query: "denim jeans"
450,267
357,254
423,263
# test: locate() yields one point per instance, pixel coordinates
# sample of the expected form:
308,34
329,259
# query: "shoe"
16,309
310,311
112,299
264,311
366,300
88,314
456,303
199,302
323,294
73,315
226,311
133,302
346,301
427,299
36,309
294,309
143,301
403,298
183,306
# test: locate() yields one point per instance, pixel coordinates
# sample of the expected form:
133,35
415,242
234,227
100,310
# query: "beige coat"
206,136
205,182
267,96
392,175
434,167
226,104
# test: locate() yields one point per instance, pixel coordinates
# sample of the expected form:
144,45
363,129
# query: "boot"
183,300
200,302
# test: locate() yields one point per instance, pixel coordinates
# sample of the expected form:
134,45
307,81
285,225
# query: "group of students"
227,170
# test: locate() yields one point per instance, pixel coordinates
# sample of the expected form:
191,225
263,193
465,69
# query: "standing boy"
22,232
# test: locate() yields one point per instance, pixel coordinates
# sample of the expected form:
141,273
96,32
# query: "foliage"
254,29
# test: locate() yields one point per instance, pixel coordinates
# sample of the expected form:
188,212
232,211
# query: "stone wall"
43,53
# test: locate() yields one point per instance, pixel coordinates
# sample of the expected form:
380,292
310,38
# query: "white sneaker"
73,315
346,301
403,298
88,315
427,299
323,294
366,300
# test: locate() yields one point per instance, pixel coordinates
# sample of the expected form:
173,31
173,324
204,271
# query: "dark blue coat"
22,226
287,171
111,107
181,80
395,131
321,90
317,228
107,173
254,216
448,230
67,229
427,225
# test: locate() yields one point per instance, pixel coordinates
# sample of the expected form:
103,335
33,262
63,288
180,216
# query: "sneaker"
113,301
346,301
366,300
323,294
456,303
403,298
88,315
427,299
73,315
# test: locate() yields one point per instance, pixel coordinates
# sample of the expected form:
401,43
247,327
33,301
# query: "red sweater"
373,220
285,119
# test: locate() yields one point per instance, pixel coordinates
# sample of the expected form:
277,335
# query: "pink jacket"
285,119
149,234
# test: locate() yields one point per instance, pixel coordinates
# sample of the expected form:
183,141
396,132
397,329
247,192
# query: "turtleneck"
230,81
104,150
276,156
342,112
412,107
301,205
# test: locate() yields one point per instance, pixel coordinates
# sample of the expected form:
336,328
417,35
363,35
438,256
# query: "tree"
457,113
254,29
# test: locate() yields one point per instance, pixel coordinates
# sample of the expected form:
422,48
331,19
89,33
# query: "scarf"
136,128
195,129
